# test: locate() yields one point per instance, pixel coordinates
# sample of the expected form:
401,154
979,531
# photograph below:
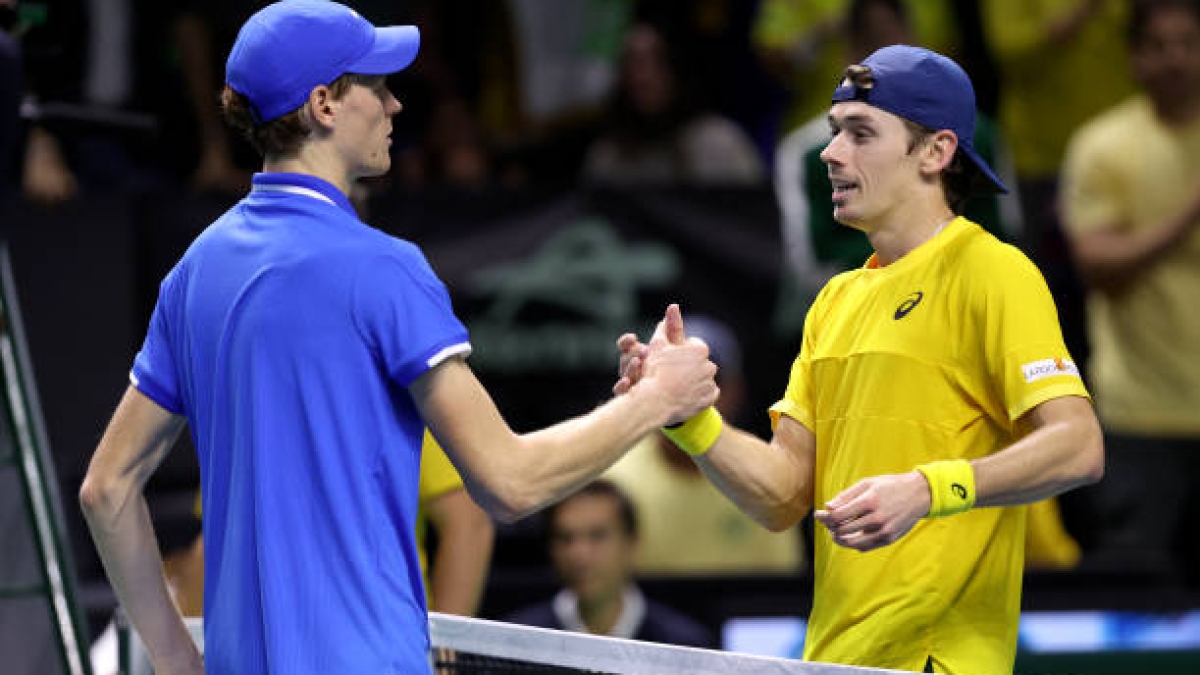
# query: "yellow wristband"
698,434
951,486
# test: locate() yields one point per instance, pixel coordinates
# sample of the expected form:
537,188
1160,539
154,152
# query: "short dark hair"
960,175
1144,10
601,487
282,135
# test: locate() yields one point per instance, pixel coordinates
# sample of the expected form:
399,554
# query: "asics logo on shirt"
907,306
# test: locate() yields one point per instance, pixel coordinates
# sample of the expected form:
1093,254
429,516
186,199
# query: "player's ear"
321,107
938,151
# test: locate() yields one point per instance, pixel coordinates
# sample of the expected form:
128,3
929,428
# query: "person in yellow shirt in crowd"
1131,206
931,383
454,583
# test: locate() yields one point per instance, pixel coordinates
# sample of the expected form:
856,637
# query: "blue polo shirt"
288,335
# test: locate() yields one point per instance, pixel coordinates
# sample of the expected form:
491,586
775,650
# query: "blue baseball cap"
927,88
288,48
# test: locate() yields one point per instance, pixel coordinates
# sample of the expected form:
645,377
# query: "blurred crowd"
1089,108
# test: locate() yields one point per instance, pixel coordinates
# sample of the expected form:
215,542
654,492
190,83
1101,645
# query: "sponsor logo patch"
1036,370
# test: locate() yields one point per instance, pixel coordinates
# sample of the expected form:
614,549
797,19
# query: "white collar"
294,189
633,612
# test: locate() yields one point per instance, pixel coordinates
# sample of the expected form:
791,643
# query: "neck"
312,160
899,235
1178,111
601,615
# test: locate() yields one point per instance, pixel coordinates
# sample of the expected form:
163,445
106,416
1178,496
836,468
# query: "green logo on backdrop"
584,270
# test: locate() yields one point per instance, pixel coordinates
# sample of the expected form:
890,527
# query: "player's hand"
634,352
629,369
876,511
679,368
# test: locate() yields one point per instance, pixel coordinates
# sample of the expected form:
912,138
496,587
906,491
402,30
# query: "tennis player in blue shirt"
306,351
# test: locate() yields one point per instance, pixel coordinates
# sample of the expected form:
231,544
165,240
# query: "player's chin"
378,169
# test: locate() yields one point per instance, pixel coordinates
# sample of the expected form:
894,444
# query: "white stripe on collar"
294,189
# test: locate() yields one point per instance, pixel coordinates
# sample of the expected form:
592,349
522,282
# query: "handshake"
672,370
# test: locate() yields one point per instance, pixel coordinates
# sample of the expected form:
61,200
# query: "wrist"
698,434
951,486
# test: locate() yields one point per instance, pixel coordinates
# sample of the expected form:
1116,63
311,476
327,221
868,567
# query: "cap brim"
988,180
394,50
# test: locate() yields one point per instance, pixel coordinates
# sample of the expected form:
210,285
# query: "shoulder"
977,245
1124,121
990,277
668,625
375,254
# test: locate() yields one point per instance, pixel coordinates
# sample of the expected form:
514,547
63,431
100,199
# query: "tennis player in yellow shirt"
931,383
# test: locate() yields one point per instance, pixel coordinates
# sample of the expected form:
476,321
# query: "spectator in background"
1131,207
1054,60
687,525
593,540
803,43
656,134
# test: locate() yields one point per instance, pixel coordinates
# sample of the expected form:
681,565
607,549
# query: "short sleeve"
1092,189
1023,350
155,371
404,313
438,475
797,401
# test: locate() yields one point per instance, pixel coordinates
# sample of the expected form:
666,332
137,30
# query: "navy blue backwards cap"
927,88
288,48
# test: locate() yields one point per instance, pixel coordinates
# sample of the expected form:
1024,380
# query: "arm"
1110,258
138,437
772,483
460,566
46,177
1064,450
511,475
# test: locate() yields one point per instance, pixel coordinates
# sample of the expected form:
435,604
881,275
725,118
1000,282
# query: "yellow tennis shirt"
935,356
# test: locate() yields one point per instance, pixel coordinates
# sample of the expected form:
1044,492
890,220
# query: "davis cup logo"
1036,370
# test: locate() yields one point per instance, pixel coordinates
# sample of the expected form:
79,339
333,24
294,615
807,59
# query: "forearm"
557,460
1060,454
768,482
511,475
1109,259
461,565
125,540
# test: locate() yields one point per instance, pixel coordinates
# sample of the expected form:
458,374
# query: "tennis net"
463,646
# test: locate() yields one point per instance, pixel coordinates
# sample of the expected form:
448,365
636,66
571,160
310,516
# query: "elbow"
782,514
98,499
1094,468
1090,457
778,522
506,502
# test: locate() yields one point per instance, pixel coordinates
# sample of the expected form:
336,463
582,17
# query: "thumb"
674,325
